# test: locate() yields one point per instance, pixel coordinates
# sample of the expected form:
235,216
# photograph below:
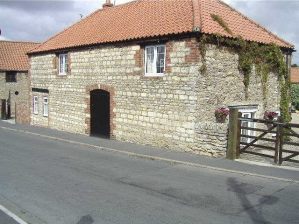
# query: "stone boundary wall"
22,113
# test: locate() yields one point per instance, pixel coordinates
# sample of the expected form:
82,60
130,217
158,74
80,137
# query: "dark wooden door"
100,113
3,109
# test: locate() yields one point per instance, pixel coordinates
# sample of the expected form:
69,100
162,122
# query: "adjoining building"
295,75
153,72
14,80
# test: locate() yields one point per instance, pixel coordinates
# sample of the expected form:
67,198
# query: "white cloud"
37,20
3,38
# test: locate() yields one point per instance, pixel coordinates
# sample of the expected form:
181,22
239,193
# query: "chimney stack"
107,4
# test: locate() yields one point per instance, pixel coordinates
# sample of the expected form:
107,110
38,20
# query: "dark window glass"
11,77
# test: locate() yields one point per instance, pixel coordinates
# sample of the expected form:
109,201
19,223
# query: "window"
35,104
11,76
155,60
248,113
45,107
63,64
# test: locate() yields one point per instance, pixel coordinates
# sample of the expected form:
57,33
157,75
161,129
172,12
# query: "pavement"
166,155
49,176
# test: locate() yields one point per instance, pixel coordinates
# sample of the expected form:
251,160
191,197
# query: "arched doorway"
100,113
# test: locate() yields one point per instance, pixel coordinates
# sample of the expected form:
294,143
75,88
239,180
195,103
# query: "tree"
295,65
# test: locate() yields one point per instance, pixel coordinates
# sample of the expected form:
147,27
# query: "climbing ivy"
265,59
203,50
222,23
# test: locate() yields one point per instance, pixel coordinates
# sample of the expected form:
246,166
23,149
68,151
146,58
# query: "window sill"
154,75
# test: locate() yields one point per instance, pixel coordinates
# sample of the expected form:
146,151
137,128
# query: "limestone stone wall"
22,115
221,86
175,111
22,86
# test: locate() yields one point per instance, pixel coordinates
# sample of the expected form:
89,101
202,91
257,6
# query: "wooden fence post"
277,143
233,142
281,142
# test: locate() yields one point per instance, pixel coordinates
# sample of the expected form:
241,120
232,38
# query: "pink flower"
221,112
270,115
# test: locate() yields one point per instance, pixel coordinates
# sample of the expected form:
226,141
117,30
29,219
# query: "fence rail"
278,139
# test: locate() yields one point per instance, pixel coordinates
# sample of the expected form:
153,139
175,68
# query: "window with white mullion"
35,104
154,60
45,107
63,63
160,59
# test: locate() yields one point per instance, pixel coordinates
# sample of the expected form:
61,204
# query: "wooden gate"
278,141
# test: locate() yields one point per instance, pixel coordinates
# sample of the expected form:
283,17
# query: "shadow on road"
255,211
87,219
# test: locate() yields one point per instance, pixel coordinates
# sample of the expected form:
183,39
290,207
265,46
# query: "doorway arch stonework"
111,91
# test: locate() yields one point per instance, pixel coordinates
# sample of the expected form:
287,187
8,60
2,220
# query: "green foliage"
265,58
295,95
222,23
203,50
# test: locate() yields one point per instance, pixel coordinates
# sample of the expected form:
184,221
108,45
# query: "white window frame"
45,106
63,67
155,74
252,113
35,104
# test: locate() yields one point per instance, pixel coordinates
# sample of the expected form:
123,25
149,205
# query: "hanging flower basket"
270,115
221,114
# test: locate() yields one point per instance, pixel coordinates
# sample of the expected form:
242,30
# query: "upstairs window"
11,76
155,60
63,64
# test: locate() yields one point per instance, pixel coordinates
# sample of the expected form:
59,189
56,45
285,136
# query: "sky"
38,20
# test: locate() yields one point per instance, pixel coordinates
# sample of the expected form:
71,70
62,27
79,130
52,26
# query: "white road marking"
12,215
138,155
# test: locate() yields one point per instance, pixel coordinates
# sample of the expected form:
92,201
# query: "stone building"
295,75
133,72
14,78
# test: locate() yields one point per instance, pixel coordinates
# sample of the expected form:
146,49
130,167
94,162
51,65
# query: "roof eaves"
109,42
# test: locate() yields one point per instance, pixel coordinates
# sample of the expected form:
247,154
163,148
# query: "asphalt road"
54,182
6,219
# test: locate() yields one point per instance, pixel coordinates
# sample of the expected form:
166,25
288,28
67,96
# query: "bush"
295,95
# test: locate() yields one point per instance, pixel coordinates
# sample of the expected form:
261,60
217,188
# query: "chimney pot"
108,4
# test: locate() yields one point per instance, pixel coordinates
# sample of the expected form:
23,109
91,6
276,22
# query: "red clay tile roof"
295,75
150,18
13,55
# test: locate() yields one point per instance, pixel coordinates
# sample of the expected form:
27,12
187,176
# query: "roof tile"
150,18
13,55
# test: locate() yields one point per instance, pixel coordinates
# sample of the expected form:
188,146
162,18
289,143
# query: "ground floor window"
35,104
45,107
